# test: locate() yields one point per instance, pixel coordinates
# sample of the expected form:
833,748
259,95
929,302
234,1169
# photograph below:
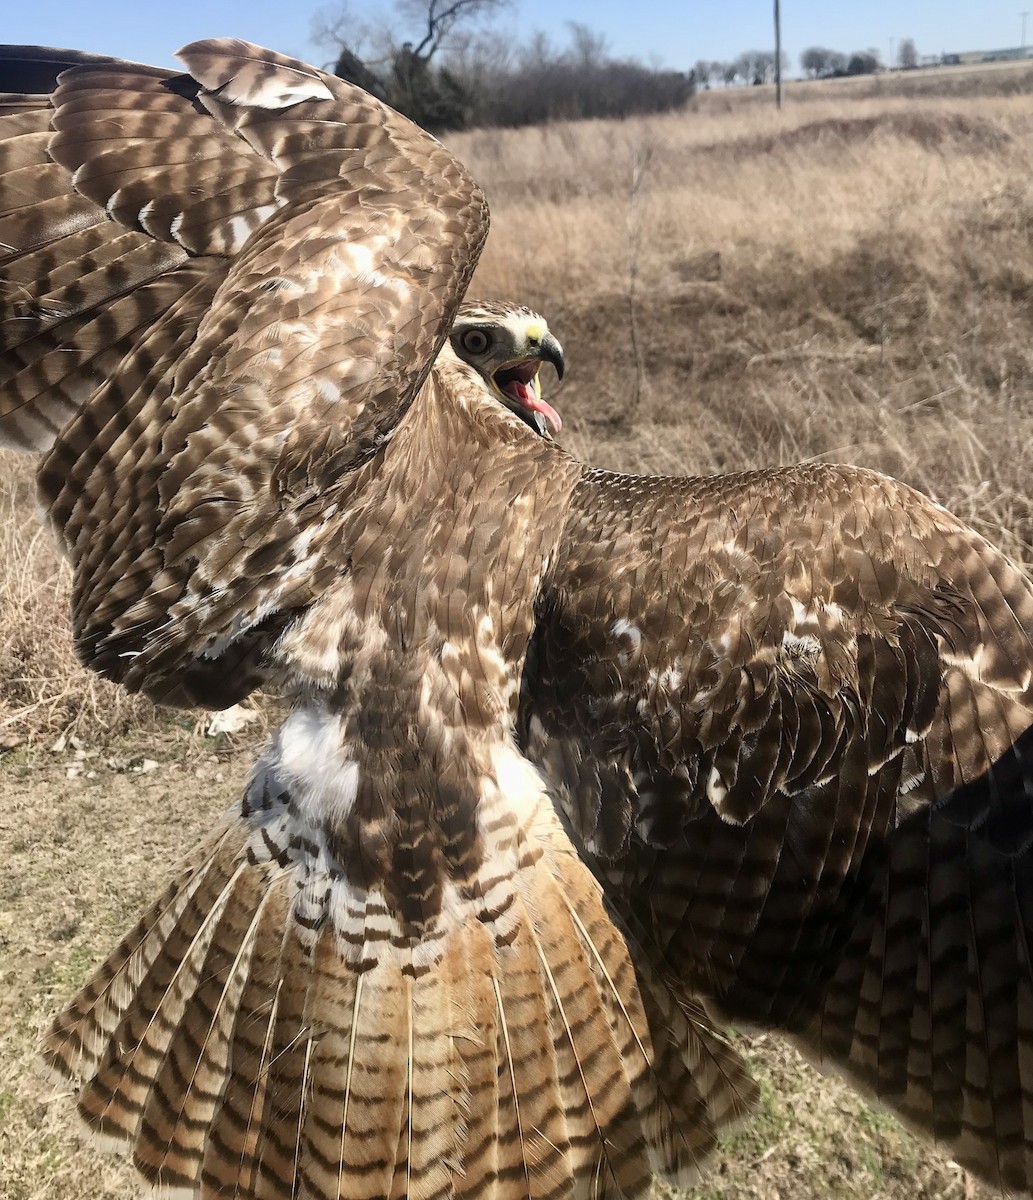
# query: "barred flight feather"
241,1052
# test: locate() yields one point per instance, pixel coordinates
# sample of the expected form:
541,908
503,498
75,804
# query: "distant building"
968,57
974,57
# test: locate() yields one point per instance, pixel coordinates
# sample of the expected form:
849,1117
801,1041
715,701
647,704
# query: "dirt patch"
81,857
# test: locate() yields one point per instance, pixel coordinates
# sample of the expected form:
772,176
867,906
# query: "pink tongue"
524,394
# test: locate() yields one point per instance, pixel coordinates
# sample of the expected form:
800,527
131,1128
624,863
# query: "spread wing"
788,714
221,292
388,973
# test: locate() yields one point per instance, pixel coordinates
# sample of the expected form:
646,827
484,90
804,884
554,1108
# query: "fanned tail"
269,1030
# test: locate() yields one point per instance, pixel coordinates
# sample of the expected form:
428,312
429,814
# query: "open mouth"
519,384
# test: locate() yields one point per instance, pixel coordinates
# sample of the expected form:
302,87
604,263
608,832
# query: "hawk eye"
475,341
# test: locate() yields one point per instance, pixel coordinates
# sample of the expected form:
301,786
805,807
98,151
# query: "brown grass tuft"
946,132
43,689
850,281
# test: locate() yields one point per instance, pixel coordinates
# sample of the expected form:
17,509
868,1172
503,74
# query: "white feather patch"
518,780
313,764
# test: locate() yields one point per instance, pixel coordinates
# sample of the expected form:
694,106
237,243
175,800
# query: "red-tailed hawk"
579,765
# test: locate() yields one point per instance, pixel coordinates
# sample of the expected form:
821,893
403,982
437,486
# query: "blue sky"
673,32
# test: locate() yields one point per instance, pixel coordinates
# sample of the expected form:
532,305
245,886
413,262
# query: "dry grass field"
850,280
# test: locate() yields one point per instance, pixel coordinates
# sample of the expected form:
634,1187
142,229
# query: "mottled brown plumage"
577,765
814,688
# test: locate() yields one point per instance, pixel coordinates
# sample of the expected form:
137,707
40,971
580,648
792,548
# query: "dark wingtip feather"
34,70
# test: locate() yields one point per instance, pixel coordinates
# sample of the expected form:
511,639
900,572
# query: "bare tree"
587,47
907,55
401,71
864,62
338,28
480,56
701,73
375,45
439,18
814,61
755,66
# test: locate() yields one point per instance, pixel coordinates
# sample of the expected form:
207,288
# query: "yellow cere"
535,332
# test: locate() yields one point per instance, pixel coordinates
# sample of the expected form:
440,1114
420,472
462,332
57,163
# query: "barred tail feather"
478,1084
689,1084
232,1158
246,1051
80,1036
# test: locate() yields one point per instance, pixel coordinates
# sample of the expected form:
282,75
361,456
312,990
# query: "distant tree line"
545,82
818,62
751,67
459,75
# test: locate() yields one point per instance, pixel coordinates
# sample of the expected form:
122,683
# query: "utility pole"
1022,46
778,54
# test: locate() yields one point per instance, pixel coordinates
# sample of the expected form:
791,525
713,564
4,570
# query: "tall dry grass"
44,692
851,279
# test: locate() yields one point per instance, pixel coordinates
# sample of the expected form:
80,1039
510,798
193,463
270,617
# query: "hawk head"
507,344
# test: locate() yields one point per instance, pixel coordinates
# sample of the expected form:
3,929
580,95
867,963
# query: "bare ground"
82,857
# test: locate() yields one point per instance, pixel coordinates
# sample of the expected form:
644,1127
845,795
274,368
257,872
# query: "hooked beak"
549,350
519,385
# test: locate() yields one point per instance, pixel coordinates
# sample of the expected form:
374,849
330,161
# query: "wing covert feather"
789,714
339,239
